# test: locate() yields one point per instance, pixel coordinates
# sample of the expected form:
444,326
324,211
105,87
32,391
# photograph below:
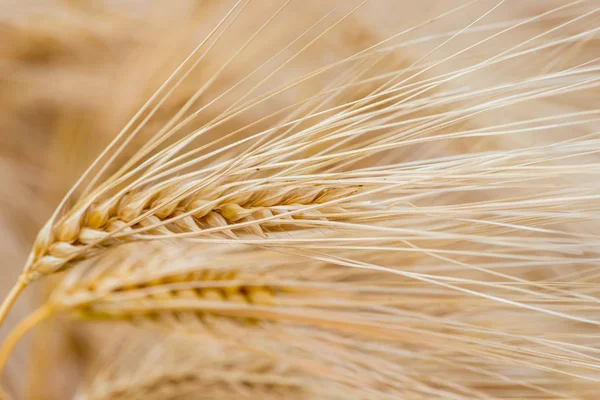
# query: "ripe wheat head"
347,204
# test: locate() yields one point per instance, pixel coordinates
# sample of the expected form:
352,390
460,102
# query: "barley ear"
28,323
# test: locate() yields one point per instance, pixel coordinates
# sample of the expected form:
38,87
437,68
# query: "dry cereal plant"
378,199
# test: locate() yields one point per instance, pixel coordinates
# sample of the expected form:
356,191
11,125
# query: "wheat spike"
147,190
341,307
219,370
214,371
193,214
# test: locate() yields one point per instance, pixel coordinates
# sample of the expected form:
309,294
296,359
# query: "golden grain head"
326,199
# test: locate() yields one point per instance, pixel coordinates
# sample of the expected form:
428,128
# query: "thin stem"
12,296
21,329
